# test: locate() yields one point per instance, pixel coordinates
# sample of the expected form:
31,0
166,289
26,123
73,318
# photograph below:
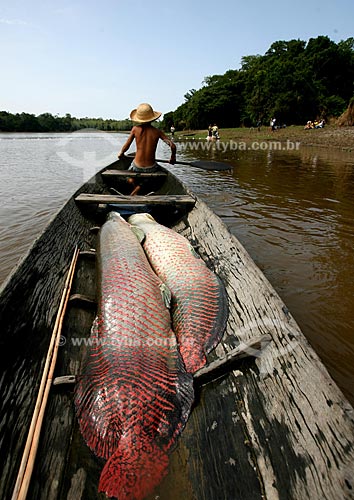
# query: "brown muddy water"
292,210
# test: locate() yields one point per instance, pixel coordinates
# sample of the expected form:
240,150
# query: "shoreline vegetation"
46,122
294,82
331,136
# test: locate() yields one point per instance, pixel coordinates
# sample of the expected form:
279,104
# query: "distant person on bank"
215,132
210,133
146,137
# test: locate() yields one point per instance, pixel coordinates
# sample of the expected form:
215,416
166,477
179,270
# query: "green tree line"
294,81
25,122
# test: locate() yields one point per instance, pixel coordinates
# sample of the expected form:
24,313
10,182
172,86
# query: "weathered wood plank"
136,200
64,380
298,426
28,308
90,253
54,475
81,299
220,366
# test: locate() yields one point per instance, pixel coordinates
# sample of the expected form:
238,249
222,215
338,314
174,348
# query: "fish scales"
133,396
199,302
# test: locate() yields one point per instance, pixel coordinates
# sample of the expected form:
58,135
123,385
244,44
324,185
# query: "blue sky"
103,58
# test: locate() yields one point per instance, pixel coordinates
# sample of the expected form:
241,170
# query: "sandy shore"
329,137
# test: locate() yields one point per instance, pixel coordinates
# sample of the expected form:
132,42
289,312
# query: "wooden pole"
28,457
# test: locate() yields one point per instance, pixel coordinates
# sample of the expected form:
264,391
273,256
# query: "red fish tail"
134,470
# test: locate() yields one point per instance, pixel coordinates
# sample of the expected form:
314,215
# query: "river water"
292,210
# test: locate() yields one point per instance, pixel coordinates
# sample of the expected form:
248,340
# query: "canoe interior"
275,427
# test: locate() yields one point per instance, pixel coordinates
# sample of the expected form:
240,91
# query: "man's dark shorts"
147,170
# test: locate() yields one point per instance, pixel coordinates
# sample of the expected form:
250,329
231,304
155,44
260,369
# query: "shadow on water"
294,213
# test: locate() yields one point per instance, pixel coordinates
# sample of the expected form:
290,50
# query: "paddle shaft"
179,162
204,165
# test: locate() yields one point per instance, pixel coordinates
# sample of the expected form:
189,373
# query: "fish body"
134,396
199,303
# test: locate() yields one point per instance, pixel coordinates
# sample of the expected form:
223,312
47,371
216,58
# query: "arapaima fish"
133,396
199,304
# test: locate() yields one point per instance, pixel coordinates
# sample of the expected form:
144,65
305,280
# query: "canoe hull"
275,427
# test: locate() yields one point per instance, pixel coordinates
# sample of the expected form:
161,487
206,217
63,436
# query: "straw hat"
144,114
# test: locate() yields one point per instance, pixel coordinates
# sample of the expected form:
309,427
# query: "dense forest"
294,81
24,122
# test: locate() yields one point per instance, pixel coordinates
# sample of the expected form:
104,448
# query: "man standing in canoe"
146,137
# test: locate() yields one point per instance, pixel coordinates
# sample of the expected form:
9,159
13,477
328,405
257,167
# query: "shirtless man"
146,137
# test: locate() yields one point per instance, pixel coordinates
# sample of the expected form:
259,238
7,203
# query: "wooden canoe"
275,426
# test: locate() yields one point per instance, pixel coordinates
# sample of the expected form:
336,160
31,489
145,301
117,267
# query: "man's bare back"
147,137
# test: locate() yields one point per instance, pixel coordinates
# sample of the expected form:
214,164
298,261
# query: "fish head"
139,219
143,221
115,216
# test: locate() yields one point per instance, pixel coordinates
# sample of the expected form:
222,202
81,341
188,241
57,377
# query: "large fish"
199,302
134,396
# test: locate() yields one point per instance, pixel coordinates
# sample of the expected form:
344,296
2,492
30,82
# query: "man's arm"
172,146
127,144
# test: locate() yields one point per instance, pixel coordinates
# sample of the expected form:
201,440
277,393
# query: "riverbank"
330,136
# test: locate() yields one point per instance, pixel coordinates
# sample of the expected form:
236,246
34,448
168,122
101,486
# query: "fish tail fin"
134,470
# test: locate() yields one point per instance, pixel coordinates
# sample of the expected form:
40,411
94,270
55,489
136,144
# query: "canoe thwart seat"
82,299
65,379
130,173
183,200
90,253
